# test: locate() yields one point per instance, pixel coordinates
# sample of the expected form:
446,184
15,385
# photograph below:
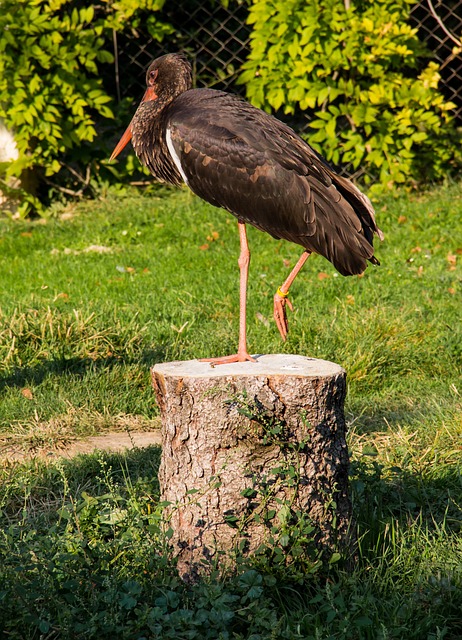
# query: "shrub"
52,53
359,69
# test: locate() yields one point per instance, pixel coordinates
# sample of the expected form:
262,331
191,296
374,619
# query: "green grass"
80,327
82,548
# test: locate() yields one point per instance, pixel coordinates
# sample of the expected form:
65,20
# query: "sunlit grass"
98,295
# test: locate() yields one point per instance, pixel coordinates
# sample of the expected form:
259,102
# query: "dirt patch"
109,442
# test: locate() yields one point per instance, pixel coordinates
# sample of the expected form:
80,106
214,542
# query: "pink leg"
244,259
280,298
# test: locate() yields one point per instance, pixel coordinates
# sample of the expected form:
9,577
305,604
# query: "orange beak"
127,136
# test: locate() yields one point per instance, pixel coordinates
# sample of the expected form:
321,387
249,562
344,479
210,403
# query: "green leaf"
359,66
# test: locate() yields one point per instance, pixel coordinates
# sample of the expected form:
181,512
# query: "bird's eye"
153,76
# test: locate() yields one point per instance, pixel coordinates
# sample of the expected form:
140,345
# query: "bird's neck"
149,128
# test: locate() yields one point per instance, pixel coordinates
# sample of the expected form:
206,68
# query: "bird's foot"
240,356
280,313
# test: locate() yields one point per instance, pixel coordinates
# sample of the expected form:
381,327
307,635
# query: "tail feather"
345,225
361,204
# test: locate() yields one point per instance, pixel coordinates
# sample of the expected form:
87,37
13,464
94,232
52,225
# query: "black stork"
244,160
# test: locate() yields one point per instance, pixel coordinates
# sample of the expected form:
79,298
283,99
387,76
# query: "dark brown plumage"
240,158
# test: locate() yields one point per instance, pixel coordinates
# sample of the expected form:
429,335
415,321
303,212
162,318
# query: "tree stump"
250,450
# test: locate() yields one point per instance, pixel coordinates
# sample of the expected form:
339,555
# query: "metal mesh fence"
217,40
440,27
215,37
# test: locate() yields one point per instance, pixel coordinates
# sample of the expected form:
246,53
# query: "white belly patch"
173,153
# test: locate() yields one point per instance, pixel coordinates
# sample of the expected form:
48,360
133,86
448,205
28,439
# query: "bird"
246,161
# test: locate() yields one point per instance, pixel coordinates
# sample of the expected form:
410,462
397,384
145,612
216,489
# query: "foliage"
359,70
52,54
290,548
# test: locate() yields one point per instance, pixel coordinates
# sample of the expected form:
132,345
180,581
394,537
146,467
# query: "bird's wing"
239,158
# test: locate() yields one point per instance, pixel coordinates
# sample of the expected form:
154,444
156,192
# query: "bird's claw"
240,356
280,314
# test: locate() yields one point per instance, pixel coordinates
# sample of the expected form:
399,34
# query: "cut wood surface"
230,433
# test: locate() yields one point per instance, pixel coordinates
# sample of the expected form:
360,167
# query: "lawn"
99,292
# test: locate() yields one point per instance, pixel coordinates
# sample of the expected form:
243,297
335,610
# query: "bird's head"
166,78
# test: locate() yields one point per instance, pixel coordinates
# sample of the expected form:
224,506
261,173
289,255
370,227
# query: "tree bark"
250,451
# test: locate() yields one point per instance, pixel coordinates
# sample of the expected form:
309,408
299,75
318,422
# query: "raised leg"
244,259
281,299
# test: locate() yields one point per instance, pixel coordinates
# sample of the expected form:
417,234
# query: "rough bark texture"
247,449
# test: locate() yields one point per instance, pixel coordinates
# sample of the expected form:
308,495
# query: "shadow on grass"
381,496
96,474
78,367
127,466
